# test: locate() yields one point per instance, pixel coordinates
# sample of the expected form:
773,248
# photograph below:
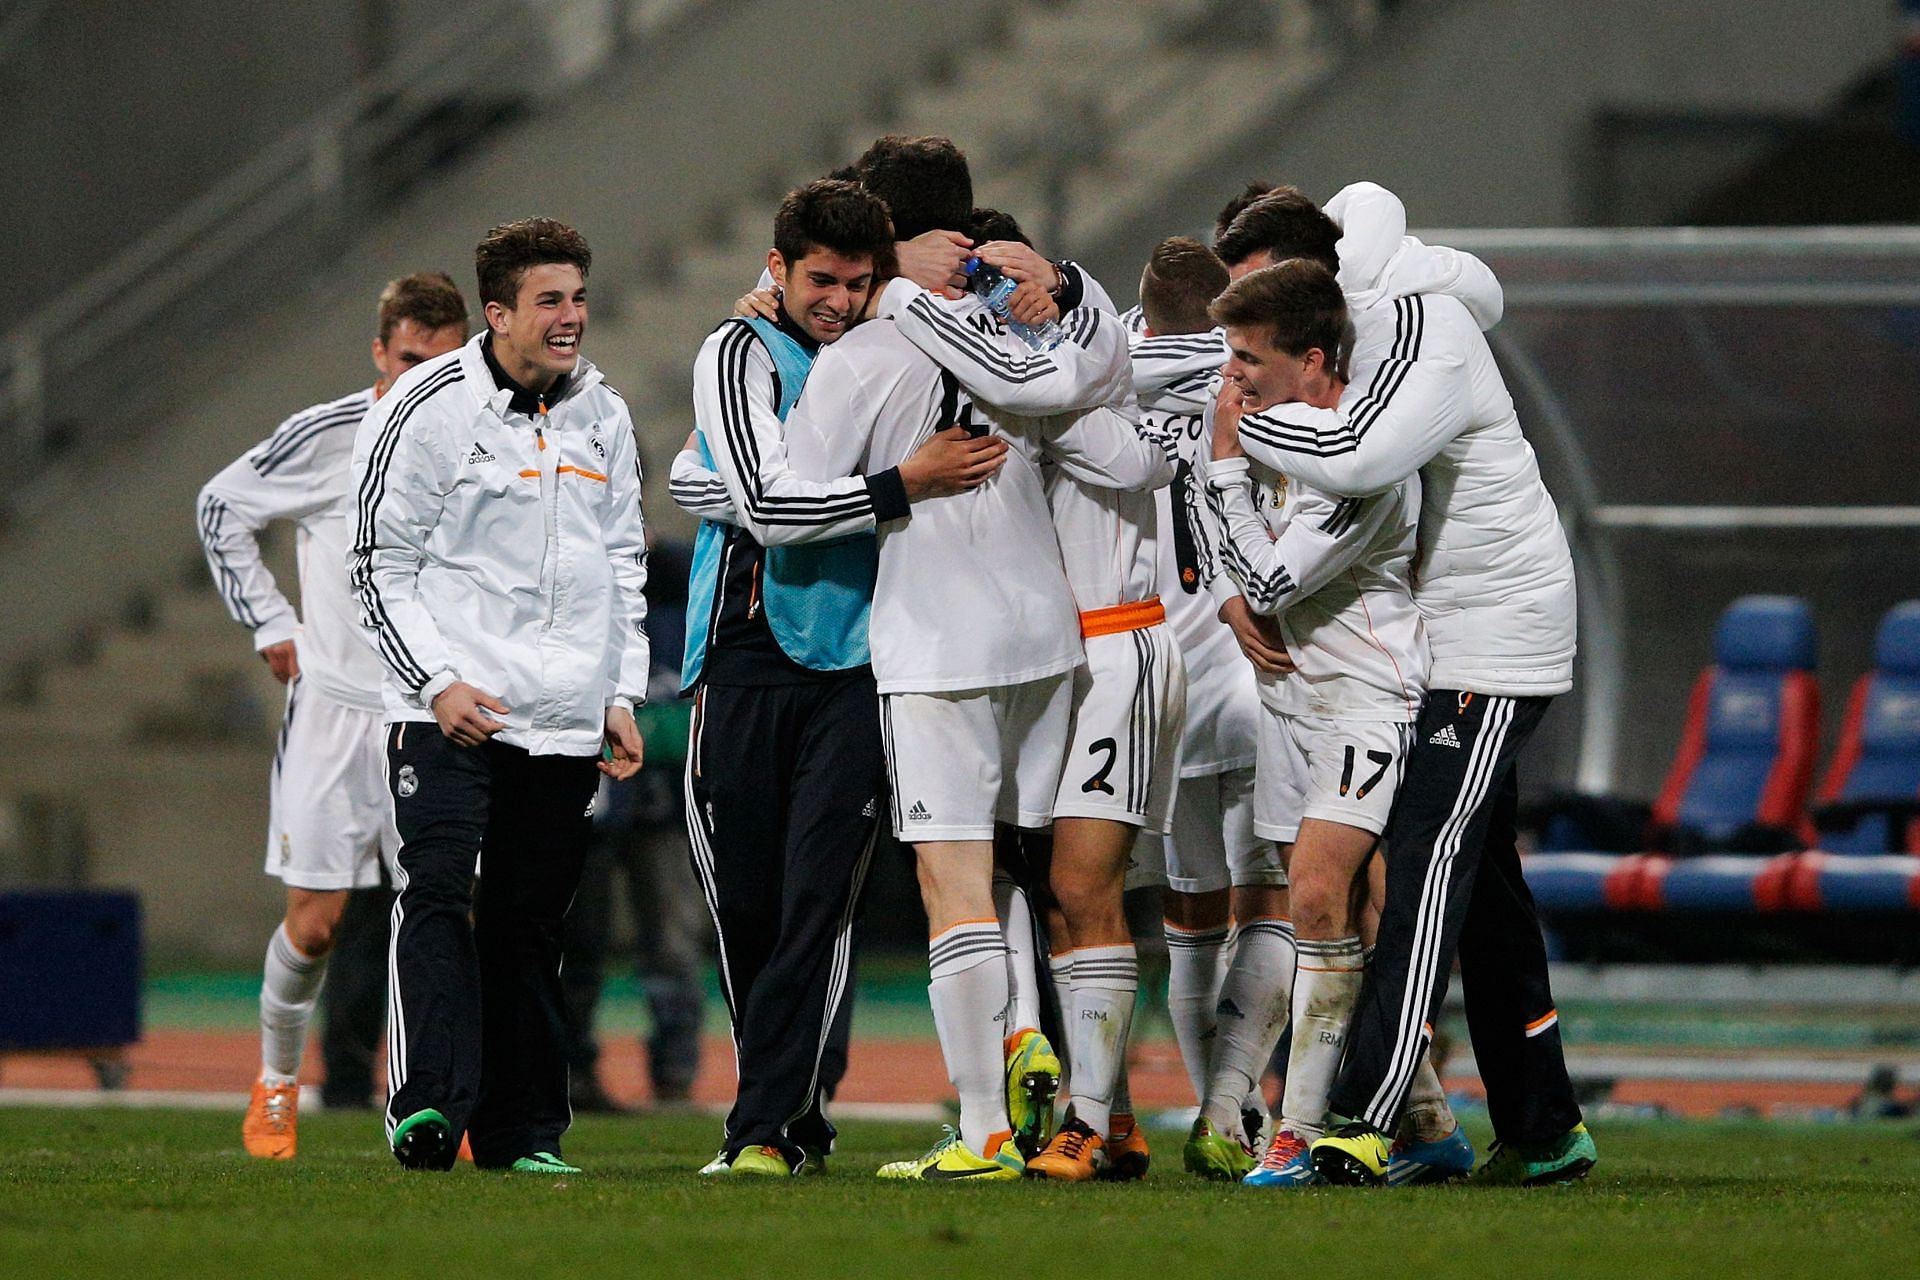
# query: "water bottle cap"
971,265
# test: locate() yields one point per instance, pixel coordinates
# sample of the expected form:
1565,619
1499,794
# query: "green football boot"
541,1162
1567,1158
1218,1156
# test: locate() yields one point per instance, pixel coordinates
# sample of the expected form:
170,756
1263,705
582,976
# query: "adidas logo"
1445,738
1228,1009
478,455
919,813
872,808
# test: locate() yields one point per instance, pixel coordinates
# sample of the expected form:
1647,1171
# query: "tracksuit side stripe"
372,490
1423,967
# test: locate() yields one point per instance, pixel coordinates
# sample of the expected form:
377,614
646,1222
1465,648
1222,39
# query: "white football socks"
1105,982
1324,994
968,991
1060,973
1253,1008
1015,913
1196,963
289,988
1427,1117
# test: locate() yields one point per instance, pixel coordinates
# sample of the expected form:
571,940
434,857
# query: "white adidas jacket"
1494,578
503,550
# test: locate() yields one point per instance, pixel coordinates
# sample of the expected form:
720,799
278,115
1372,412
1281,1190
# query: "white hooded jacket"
1493,577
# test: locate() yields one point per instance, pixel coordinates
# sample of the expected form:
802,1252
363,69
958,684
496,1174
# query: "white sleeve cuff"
1225,472
437,686
1223,589
622,701
275,630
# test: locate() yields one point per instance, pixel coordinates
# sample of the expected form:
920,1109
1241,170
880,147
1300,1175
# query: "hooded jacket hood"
1379,261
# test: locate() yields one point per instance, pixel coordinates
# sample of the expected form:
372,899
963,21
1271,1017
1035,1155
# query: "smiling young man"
499,558
1335,573
328,819
786,779
1496,587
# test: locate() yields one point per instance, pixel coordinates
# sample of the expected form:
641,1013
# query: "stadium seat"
1869,802
1739,781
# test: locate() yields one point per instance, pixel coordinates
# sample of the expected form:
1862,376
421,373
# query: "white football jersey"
971,592
302,473
1176,376
1336,572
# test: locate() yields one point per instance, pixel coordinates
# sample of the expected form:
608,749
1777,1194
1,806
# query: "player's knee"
312,929
1319,906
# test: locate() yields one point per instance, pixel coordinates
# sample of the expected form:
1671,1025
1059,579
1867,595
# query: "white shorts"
1345,771
331,819
960,761
1129,703
1214,845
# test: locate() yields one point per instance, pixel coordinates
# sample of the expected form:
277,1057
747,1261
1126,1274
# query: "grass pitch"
158,1194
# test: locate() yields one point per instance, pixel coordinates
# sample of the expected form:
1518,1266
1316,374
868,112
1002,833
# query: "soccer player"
785,774
975,716
1495,585
1335,572
1128,703
1225,984
327,825
499,558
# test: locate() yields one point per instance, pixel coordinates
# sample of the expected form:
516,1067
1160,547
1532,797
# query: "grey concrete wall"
633,158
1476,111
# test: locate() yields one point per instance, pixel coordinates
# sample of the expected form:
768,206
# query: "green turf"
157,1194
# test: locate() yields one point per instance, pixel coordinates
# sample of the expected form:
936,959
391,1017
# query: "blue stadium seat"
1741,776
1869,801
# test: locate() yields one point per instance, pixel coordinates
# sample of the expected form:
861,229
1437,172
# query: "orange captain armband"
1136,615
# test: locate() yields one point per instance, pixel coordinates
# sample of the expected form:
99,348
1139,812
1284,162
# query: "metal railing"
302,196
1583,271
309,174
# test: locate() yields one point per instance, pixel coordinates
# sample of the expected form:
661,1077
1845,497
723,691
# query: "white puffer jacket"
1494,578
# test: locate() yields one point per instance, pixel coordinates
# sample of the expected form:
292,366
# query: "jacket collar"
478,365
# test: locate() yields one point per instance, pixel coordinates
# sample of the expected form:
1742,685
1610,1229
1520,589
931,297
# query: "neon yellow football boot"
949,1160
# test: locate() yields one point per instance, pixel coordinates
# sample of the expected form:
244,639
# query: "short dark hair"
1231,209
1181,278
1298,303
428,298
924,182
503,259
992,224
1284,224
842,217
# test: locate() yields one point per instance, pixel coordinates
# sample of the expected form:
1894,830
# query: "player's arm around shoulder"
1410,404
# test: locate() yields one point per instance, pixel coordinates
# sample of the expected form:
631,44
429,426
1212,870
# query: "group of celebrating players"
1252,592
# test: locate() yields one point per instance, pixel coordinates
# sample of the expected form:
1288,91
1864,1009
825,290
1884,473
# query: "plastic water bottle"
994,289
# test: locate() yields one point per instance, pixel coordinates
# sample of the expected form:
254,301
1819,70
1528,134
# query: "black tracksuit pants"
786,789
475,1025
1454,885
